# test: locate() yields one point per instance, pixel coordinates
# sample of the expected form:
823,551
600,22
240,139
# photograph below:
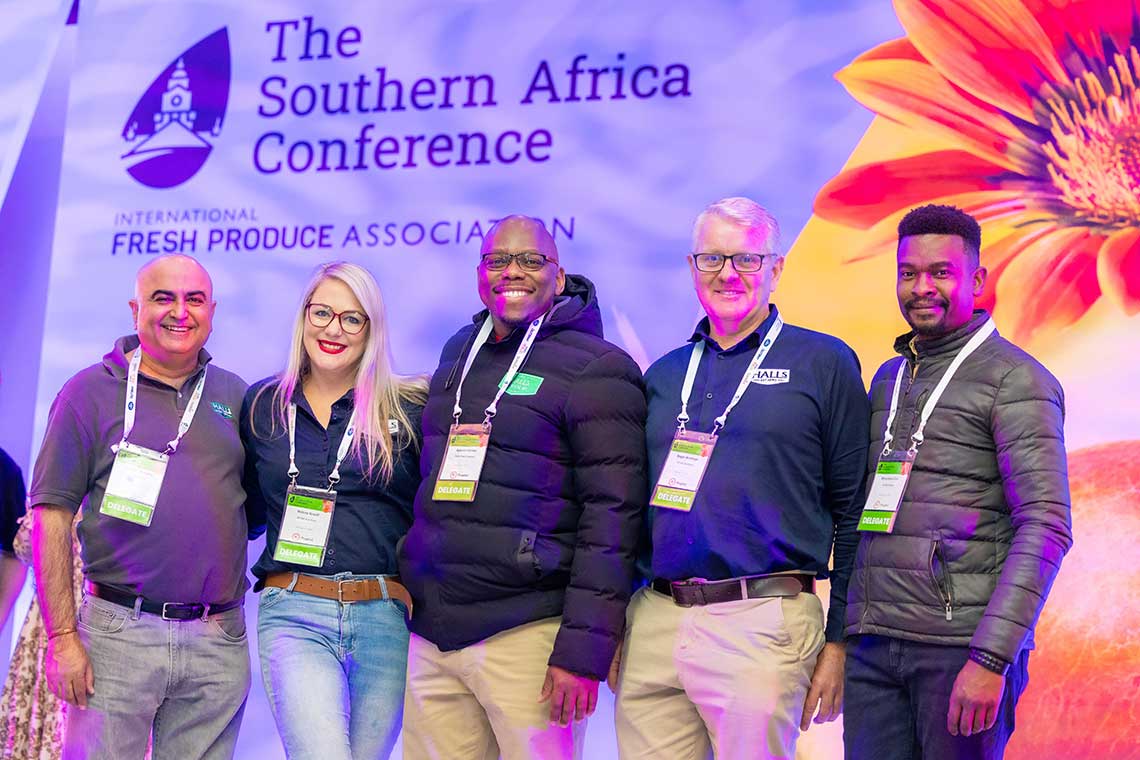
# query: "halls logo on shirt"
222,409
772,376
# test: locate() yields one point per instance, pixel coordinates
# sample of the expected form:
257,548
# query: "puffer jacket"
985,519
557,513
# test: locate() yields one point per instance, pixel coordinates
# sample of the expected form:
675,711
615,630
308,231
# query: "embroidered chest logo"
222,409
772,376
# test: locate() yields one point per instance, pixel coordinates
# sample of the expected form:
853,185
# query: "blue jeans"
896,697
185,681
334,673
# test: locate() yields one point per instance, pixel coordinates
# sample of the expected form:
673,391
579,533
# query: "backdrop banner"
266,138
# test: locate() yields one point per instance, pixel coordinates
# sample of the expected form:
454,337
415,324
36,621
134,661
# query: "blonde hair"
378,389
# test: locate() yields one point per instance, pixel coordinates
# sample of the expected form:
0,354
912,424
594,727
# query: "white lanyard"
928,409
131,405
753,366
341,452
516,364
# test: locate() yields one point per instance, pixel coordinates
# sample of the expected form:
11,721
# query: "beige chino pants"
482,700
729,678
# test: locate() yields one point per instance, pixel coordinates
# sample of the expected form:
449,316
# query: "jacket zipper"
947,597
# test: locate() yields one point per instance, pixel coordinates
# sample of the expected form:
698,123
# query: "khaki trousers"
482,700
729,678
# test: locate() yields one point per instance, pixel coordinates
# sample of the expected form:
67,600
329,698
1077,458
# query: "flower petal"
863,195
1081,26
1001,209
901,48
993,49
912,93
997,256
1049,285
1118,270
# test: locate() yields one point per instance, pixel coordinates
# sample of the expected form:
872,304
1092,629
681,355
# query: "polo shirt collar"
117,363
750,342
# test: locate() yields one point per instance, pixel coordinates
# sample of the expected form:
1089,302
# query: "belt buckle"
340,589
176,606
691,583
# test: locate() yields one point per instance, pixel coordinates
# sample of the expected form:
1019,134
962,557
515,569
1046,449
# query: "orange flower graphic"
1034,109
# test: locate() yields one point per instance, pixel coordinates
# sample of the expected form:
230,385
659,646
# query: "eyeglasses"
322,315
744,263
529,261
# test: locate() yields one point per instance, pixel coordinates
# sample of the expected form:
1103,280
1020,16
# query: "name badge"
887,489
683,471
305,525
462,462
136,478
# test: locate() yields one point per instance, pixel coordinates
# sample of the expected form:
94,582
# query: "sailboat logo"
171,131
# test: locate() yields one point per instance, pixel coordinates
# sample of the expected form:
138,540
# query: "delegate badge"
462,462
136,478
684,468
304,533
891,476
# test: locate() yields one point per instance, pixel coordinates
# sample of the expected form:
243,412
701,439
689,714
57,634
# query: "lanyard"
928,409
516,364
341,452
753,366
131,405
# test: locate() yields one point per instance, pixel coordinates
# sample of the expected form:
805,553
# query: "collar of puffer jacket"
950,343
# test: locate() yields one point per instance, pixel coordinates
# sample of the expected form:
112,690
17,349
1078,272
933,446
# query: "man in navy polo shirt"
755,435
147,442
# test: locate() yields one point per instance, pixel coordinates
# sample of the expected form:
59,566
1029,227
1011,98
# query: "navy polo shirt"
370,516
784,484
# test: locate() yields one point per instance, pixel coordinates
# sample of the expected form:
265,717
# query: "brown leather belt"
696,592
343,591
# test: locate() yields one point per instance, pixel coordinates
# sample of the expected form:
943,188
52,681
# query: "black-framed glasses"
745,263
322,315
529,261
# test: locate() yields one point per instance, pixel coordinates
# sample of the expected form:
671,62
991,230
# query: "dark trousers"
896,697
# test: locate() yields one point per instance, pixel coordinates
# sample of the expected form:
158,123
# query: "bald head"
519,233
173,310
525,288
176,264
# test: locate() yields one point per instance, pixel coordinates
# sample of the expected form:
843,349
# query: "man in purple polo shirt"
147,443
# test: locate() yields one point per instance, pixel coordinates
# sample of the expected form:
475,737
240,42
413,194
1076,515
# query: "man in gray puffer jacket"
955,563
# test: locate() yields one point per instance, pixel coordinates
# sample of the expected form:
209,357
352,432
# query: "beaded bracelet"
989,662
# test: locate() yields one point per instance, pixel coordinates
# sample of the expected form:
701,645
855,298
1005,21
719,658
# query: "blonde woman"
331,456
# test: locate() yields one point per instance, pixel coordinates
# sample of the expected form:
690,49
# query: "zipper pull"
949,612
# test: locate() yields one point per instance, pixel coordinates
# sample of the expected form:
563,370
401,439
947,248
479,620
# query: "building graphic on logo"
170,132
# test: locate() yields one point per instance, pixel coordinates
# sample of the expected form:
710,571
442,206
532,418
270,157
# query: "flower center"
1094,156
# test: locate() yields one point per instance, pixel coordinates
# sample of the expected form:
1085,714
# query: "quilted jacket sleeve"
1028,421
605,418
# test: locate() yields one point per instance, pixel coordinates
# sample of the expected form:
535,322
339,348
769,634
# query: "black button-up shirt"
369,517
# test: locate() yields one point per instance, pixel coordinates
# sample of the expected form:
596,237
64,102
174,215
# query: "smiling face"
938,281
732,299
173,310
513,295
333,352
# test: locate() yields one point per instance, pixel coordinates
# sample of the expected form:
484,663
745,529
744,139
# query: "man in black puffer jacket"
521,572
941,608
